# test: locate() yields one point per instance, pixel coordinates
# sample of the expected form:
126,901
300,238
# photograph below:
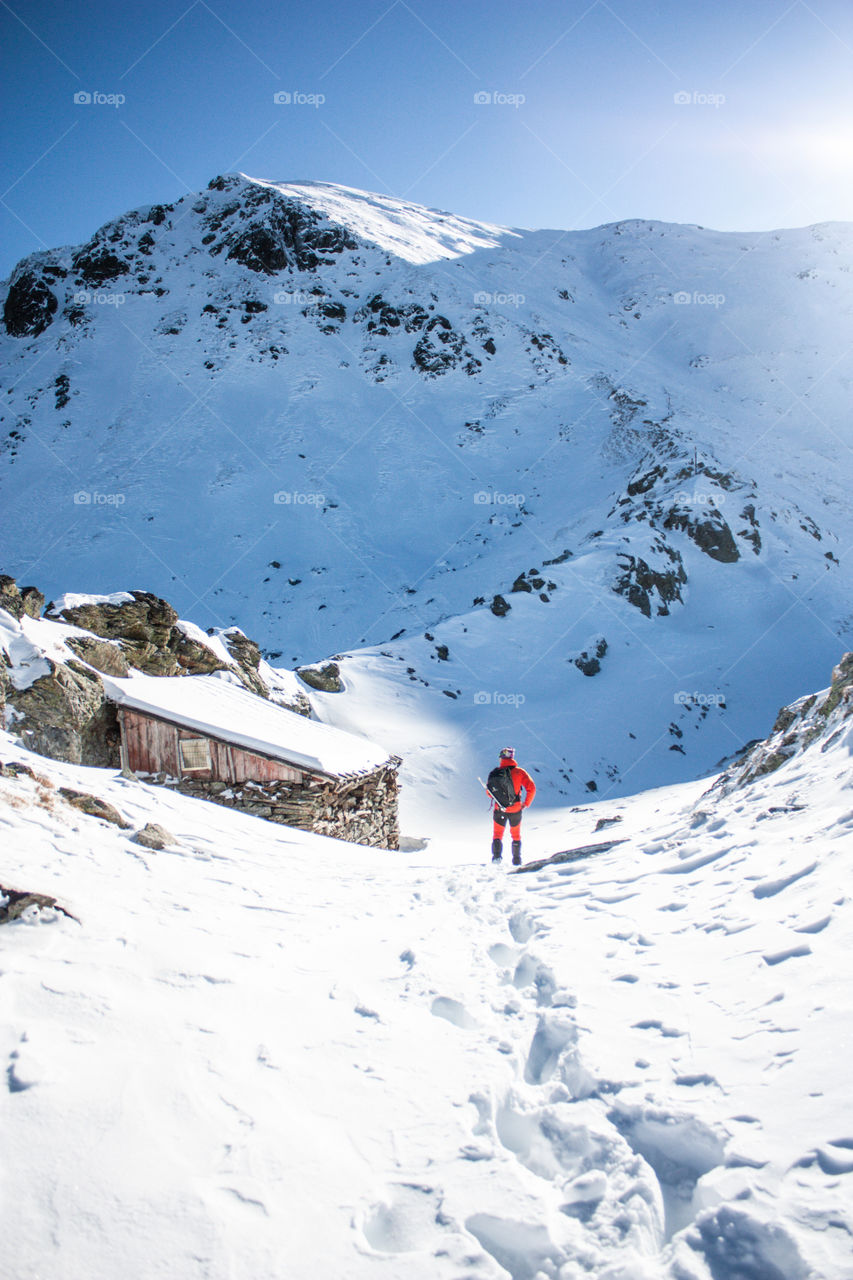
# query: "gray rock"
100,654
153,836
326,678
66,715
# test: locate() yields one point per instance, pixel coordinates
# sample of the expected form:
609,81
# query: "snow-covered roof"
220,709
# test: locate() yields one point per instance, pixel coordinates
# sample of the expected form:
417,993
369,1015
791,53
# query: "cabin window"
195,754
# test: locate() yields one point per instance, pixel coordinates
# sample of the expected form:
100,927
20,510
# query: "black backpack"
500,788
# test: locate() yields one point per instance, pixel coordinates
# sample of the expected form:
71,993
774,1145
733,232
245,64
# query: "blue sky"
737,116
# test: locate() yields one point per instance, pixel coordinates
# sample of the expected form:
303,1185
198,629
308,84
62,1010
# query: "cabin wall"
152,746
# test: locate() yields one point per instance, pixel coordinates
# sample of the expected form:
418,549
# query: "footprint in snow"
452,1011
404,1220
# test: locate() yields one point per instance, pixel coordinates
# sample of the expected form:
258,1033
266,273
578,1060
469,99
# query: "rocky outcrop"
642,585
65,714
709,531
30,303
441,349
589,662
269,232
145,632
21,601
100,654
248,656
815,718
326,678
14,902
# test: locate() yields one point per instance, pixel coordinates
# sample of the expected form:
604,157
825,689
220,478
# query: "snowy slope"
350,423
260,1053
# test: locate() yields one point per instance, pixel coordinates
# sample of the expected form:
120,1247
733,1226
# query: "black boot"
516,853
497,850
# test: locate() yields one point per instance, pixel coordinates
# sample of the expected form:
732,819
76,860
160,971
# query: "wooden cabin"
207,736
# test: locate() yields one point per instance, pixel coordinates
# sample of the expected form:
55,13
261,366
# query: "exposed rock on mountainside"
326,678
20,601
817,717
65,714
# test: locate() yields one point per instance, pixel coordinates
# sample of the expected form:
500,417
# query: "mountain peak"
399,226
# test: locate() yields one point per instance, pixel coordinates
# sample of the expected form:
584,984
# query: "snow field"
261,1053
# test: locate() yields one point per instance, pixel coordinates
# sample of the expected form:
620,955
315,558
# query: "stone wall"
361,809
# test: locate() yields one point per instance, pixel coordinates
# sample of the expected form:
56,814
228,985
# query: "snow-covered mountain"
586,490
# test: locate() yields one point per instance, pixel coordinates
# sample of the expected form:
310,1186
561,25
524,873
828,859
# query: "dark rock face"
10,597
711,533
30,305
33,601
95,265
326,678
441,348
639,583
500,607
270,233
590,663
382,317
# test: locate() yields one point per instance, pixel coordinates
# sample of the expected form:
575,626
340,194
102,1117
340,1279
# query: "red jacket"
521,781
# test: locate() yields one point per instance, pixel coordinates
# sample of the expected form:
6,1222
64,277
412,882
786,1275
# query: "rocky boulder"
153,836
66,715
94,806
247,655
20,601
326,678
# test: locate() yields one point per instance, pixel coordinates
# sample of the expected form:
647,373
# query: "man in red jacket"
505,785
